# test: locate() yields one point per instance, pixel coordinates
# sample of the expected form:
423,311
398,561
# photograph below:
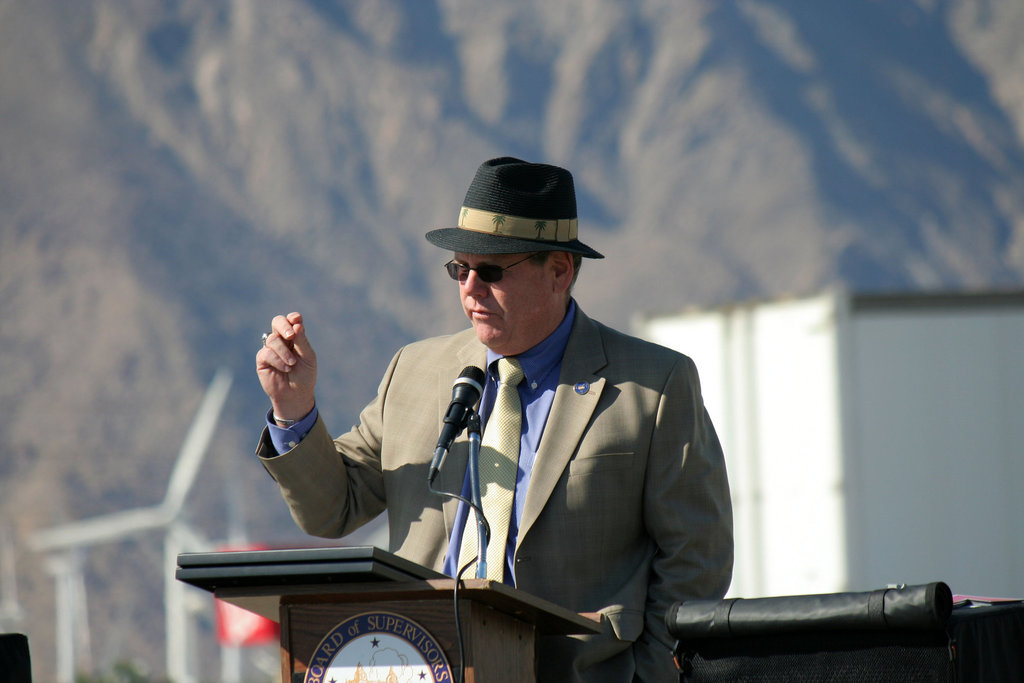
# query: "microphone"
465,393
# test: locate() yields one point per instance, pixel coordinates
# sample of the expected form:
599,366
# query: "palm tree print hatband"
513,206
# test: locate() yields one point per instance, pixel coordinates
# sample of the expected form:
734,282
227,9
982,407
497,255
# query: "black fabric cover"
989,641
925,606
891,634
907,634
879,656
15,665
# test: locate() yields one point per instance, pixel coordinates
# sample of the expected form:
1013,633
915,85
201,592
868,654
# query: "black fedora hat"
512,207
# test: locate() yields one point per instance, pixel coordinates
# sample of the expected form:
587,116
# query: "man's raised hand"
286,366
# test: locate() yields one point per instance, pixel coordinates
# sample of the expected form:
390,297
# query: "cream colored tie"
499,467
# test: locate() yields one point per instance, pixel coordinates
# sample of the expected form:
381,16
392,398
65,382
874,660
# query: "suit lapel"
577,395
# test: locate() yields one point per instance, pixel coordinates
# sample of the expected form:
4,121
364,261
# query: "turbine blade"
190,457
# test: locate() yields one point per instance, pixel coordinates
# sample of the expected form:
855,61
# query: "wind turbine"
11,612
67,544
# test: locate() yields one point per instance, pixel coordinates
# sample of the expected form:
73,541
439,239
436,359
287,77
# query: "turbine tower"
11,612
67,543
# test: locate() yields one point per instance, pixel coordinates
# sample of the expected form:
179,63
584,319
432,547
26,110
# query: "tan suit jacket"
627,511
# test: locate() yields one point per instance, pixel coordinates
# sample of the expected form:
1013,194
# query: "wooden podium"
327,598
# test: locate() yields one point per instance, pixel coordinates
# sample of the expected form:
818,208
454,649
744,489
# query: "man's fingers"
300,344
287,344
281,340
277,353
284,327
269,357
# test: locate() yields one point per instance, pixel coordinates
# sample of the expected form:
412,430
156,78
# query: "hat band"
551,230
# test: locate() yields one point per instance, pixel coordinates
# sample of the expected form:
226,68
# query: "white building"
870,439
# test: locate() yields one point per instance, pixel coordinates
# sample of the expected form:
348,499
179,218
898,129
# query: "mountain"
174,174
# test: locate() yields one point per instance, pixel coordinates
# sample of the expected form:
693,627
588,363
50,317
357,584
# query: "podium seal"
378,647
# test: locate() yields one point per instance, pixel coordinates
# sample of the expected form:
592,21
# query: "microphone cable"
458,576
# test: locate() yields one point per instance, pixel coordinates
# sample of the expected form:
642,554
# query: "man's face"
520,310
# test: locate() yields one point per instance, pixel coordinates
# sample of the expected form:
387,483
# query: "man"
620,503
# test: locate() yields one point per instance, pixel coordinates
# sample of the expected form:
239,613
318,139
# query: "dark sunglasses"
488,273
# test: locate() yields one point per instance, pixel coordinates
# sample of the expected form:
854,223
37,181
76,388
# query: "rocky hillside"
173,174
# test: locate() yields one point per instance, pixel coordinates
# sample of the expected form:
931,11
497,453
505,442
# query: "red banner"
240,627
